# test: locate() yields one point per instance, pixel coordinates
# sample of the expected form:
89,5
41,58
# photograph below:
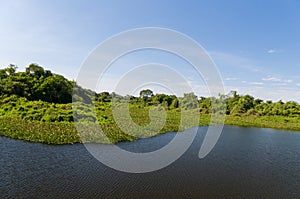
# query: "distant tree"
11,69
244,104
82,95
247,101
231,101
166,100
146,93
36,70
269,102
175,103
3,73
104,97
189,101
257,102
146,96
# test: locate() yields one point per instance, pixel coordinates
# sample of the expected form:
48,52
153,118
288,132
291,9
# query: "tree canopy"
38,84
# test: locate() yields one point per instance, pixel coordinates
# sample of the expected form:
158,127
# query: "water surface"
245,163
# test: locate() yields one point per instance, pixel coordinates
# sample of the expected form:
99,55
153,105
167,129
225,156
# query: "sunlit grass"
106,129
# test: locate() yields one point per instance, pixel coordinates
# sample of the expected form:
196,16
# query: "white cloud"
273,79
298,84
277,79
256,83
279,84
271,51
288,81
231,78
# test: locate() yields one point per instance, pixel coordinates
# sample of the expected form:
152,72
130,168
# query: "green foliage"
38,84
50,133
103,97
37,71
146,93
189,101
276,122
55,89
36,105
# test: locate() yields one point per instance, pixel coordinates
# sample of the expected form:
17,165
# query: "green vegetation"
36,105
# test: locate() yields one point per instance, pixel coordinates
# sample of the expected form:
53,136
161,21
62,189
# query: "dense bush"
38,84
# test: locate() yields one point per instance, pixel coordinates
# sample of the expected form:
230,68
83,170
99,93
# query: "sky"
254,44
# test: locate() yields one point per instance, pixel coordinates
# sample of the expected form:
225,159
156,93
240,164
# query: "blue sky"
255,44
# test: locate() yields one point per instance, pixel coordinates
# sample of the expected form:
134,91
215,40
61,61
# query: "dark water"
245,163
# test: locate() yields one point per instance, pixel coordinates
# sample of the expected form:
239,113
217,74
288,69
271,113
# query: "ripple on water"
245,163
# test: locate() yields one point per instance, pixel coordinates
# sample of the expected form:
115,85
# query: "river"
245,163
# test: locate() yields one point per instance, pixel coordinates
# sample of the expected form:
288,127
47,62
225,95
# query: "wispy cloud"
236,61
256,83
277,79
271,51
298,84
231,78
279,84
273,79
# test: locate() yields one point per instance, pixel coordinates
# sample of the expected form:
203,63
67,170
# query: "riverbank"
66,133
275,122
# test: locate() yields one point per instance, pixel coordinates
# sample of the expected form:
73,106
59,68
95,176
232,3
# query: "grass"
58,132
112,131
50,133
275,122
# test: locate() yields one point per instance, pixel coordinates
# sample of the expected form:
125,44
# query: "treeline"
246,104
39,94
36,83
230,104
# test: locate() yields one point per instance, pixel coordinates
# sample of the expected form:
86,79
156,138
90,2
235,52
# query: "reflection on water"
245,163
